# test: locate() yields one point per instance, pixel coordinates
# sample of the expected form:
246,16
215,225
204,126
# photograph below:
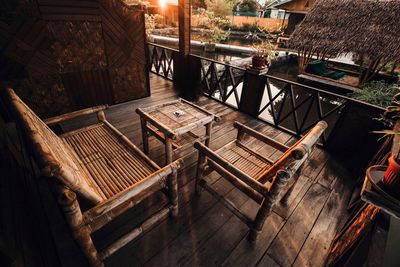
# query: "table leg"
168,151
145,136
208,134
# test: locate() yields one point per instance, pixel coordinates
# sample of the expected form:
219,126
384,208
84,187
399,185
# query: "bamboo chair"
258,177
101,165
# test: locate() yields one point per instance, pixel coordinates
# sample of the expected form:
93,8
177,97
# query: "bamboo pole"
145,226
260,188
74,114
69,204
269,141
280,180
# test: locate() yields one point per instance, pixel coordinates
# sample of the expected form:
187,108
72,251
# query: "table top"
176,117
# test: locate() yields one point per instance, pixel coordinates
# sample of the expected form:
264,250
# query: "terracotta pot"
392,174
258,62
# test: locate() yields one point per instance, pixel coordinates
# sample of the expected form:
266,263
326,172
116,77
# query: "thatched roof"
368,27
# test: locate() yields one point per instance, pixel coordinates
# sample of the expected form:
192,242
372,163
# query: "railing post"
252,92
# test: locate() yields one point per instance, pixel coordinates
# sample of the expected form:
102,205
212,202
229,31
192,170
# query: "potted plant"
263,55
391,118
263,49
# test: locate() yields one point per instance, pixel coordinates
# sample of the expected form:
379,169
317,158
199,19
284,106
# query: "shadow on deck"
206,233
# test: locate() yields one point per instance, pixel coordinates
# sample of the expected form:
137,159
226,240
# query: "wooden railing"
161,60
287,105
222,81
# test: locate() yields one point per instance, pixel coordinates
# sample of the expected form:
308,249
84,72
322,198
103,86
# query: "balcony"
298,233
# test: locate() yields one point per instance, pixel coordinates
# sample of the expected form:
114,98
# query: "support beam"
184,27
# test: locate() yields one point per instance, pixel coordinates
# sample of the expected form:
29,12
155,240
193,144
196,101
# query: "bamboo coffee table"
172,123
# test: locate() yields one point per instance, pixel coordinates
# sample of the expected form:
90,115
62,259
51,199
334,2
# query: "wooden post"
69,204
145,136
252,93
172,182
181,64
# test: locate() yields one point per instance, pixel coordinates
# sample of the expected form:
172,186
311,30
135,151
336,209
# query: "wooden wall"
63,55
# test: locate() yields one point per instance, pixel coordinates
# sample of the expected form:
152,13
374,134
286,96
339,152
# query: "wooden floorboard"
298,232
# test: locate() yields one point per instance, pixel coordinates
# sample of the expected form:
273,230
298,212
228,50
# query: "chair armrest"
260,188
74,114
134,193
269,141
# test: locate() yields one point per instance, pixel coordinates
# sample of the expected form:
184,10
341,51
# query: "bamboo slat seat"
111,165
101,165
258,177
244,159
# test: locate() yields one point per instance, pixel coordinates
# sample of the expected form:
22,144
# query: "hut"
368,29
294,9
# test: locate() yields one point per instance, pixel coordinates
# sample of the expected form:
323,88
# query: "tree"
220,8
198,4
247,6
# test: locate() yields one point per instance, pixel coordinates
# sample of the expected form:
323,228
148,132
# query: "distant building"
295,10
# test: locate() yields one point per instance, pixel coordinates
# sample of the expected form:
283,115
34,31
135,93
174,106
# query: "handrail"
218,62
162,46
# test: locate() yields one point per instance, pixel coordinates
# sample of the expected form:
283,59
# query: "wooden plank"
290,239
247,254
316,247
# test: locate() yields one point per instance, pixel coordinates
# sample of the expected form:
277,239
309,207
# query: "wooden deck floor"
206,233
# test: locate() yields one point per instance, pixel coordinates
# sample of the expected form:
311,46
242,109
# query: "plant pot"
258,62
392,174
209,47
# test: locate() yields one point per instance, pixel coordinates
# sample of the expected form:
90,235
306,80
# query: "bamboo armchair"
257,176
101,165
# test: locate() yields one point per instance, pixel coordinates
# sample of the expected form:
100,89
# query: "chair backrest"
53,157
296,155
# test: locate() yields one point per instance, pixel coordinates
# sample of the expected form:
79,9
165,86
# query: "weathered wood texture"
263,180
207,233
67,55
100,164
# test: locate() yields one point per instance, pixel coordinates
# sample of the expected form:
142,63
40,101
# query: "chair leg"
262,214
172,182
69,204
145,136
201,164
280,181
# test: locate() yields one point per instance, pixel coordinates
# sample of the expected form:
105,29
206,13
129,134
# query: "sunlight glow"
162,3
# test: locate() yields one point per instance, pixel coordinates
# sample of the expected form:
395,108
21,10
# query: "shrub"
377,93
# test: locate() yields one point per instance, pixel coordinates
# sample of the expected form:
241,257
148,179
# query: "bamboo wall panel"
95,48
97,86
124,41
77,45
87,10
46,93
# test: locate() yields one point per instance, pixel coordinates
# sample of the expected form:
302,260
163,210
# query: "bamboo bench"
102,166
257,176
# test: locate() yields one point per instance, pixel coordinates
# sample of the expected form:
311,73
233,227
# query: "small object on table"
172,123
